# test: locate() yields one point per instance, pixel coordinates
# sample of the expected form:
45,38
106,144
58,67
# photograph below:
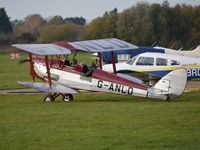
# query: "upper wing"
102,45
59,48
43,49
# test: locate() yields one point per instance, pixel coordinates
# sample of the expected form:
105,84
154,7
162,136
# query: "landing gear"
67,97
52,97
49,98
168,99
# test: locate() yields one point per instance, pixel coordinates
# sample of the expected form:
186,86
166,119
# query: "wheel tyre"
168,99
67,97
49,98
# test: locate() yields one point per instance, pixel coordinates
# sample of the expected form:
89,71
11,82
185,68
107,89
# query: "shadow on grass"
94,98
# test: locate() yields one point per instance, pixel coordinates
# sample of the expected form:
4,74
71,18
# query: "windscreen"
131,61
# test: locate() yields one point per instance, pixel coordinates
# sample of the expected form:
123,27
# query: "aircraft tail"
172,85
197,50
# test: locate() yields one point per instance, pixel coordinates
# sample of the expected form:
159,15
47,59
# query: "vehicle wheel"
67,97
49,98
168,99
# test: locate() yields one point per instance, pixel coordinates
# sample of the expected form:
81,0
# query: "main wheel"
67,97
49,98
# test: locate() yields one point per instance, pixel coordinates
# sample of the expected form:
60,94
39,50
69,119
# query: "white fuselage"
158,64
78,81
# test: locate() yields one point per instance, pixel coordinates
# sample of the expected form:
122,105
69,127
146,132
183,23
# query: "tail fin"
173,84
197,50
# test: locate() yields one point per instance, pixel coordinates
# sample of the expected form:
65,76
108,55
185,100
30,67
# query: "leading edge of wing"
43,49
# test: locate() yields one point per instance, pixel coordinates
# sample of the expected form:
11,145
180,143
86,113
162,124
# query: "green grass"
11,72
102,122
93,121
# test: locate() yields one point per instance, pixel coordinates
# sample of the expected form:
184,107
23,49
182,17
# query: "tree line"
146,24
143,24
35,29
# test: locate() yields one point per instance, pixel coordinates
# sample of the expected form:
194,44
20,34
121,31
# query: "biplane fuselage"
99,80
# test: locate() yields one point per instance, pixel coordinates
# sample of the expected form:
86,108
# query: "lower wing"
44,87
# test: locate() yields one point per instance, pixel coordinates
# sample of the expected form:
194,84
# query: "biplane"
61,77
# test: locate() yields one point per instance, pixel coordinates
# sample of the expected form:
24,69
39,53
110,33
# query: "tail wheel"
67,97
168,99
49,98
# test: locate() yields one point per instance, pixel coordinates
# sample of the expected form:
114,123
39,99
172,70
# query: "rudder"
173,83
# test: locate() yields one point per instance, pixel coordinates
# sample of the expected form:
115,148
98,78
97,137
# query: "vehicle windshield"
131,61
145,61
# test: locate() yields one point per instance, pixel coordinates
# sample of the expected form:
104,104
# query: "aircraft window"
145,61
131,61
174,62
161,62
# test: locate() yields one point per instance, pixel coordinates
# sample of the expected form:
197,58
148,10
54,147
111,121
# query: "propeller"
23,61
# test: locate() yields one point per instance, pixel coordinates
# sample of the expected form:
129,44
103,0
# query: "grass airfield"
99,121
93,121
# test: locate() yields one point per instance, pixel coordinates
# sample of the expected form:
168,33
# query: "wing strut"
100,60
113,61
48,70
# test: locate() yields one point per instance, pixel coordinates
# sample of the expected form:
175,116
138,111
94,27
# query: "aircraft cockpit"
141,60
131,60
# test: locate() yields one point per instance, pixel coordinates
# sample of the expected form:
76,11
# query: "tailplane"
172,85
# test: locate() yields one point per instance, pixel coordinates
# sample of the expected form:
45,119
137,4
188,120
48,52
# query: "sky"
89,9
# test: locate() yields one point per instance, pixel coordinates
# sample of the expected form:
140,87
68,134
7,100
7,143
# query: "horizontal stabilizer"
157,91
44,87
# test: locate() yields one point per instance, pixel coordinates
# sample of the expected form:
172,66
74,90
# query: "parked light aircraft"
124,55
61,78
153,66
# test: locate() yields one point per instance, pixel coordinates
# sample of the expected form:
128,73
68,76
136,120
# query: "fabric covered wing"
43,49
59,48
102,45
44,87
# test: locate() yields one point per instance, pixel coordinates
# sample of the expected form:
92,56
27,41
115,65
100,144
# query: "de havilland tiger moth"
61,77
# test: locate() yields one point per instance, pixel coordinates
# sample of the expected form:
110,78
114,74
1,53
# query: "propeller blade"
23,61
